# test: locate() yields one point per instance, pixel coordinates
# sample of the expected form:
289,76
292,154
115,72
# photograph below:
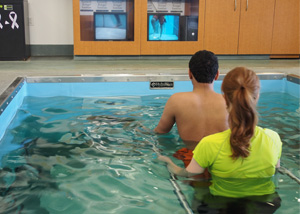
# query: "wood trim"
286,56
76,25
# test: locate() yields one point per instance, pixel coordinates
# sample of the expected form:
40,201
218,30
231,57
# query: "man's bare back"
197,114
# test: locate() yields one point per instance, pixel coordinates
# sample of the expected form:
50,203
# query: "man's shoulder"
190,95
181,95
188,98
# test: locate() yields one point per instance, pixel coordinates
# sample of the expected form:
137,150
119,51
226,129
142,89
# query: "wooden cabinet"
221,31
256,26
231,27
239,27
86,43
286,28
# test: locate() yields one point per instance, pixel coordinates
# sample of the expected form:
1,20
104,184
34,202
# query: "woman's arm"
192,169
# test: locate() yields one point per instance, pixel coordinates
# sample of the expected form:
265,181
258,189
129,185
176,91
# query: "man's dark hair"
204,66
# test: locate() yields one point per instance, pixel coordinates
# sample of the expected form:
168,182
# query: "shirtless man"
198,113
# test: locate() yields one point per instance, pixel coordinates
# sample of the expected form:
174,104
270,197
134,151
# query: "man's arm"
167,119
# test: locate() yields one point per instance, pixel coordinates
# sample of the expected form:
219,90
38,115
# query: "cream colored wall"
51,22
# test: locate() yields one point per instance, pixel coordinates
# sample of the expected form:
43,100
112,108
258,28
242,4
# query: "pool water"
281,113
85,155
98,155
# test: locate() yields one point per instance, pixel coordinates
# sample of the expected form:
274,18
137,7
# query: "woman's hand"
172,167
193,168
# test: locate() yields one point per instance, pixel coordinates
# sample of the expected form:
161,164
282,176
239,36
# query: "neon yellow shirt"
241,177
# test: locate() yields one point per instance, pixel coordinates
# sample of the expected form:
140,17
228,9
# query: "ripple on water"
95,155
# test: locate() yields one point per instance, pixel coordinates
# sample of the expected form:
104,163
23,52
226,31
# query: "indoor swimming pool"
85,144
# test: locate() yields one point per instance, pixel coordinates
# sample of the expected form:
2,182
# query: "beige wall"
51,22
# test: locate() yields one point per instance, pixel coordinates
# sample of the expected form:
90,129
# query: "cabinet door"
286,27
256,26
222,26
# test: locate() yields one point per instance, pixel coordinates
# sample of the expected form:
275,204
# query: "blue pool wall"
6,118
292,89
100,89
96,89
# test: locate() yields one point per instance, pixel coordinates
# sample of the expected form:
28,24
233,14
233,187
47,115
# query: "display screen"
110,26
163,27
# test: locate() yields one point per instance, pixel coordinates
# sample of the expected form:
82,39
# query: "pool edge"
8,95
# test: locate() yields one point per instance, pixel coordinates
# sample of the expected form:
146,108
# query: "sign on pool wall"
161,85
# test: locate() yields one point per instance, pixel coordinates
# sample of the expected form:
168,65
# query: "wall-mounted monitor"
163,27
110,26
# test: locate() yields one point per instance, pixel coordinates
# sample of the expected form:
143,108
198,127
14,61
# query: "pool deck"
95,66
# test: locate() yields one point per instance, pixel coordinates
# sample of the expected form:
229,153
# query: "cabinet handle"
235,5
247,5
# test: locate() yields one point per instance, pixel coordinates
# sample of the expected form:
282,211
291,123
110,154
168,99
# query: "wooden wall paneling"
222,26
286,34
256,26
106,47
171,47
76,25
